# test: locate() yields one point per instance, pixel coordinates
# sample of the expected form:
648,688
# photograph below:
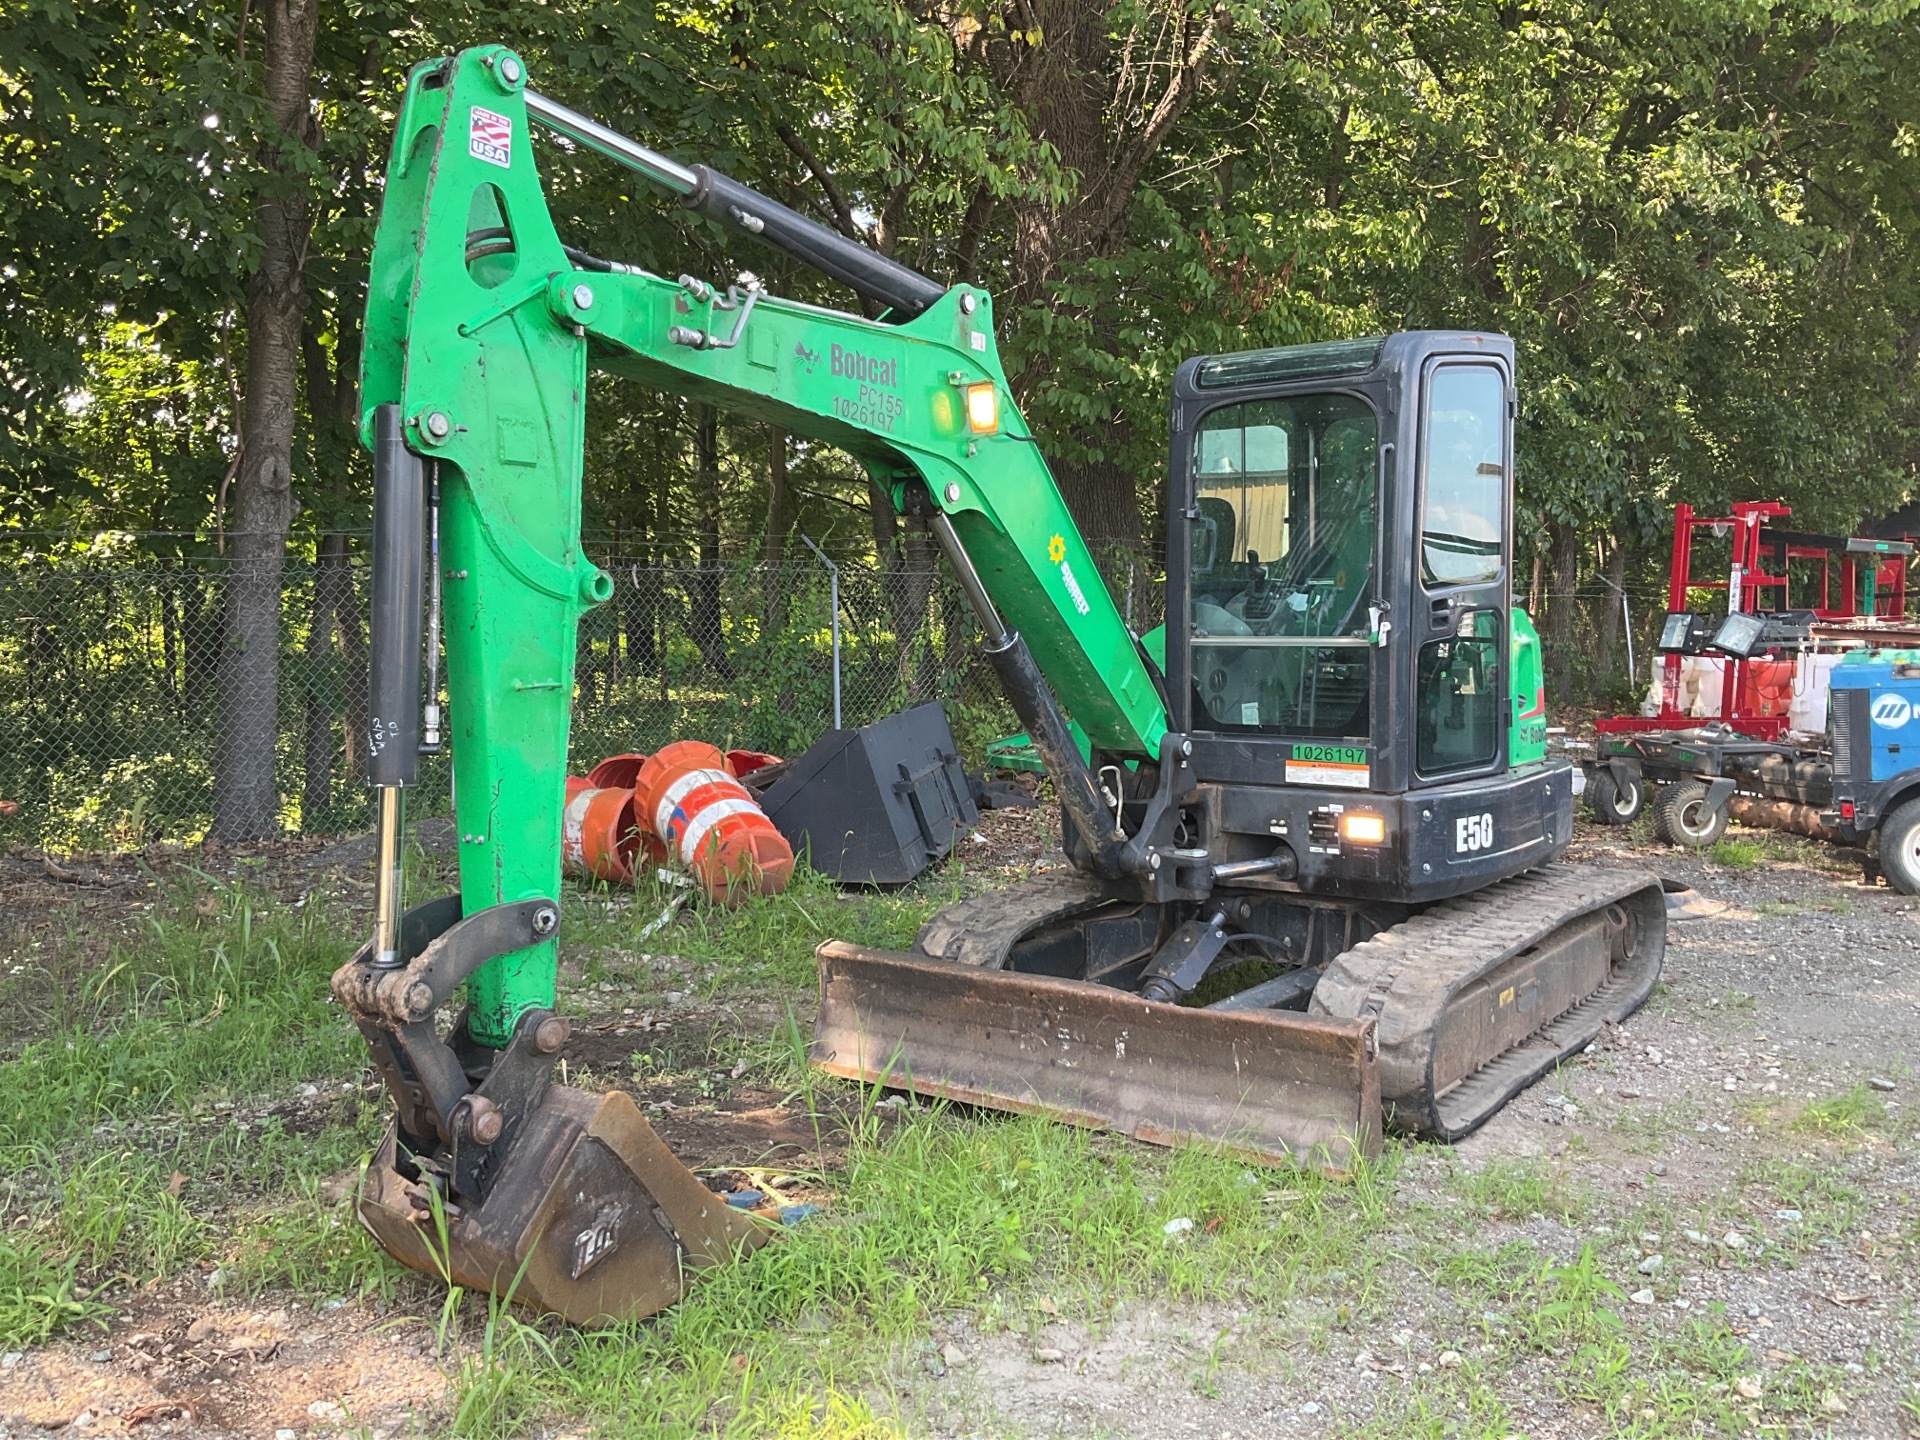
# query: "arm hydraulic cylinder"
746,211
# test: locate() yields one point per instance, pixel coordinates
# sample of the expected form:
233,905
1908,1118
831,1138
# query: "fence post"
833,596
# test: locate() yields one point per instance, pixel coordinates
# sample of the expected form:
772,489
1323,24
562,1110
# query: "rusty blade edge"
1358,1142
1334,1056
1337,1034
1361,1142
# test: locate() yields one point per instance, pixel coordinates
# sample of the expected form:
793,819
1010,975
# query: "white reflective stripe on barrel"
710,816
683,786
573,826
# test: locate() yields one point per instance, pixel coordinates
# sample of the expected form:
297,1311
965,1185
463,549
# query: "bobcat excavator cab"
1310,850
1336,891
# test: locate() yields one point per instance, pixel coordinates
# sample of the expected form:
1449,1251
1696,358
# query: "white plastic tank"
1701,679
1812,678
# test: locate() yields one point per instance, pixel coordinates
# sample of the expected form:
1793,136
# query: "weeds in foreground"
1575,1308
1846,1117
117,1141
38,1295
1512,1189
953,1215
222,995
769,941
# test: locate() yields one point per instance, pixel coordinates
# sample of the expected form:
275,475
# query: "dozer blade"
1270,1085
591,1217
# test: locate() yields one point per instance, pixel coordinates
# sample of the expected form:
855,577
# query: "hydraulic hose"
747,212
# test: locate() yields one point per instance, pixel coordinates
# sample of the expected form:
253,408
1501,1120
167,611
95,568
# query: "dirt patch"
710,1116
174,1364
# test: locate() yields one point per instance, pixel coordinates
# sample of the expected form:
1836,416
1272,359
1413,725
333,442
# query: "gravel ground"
1682,1148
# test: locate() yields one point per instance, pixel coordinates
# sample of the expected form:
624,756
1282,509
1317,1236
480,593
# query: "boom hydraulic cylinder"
393,690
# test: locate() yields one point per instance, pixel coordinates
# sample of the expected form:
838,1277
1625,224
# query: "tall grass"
107,1174
218,994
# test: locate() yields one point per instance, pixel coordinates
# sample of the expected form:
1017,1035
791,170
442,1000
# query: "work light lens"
983,409
1361,828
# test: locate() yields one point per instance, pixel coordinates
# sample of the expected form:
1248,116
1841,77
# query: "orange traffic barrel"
617,772
709,822
598,835
742,763
1767,687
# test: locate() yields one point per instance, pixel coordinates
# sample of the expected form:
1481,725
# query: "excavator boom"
481,326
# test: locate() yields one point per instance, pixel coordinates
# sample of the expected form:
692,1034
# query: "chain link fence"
109,681
109,675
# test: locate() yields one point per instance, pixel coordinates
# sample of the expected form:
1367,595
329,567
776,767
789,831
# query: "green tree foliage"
1696,216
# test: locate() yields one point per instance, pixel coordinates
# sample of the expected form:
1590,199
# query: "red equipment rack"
1755,545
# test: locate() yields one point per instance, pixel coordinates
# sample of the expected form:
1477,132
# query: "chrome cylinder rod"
387,887
611,143
430,712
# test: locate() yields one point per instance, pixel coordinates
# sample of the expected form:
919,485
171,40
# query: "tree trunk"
781,508
246,800
1104,88
1104,501
1610,627
918,664
781,511
1561,610
350,640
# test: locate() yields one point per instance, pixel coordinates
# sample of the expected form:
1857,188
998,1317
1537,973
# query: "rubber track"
1405,977
982,930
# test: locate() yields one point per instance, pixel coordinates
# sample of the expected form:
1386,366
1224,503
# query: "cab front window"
1283,539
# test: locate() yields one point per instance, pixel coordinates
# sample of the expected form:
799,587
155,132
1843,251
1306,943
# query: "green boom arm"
481,329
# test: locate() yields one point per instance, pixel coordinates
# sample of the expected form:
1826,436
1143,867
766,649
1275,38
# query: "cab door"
1466,488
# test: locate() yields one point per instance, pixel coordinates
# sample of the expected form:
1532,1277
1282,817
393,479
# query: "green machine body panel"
1527,738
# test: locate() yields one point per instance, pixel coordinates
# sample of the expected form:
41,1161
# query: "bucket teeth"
591,1216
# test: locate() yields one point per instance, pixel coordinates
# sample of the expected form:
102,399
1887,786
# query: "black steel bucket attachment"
877,805
1273,1086
591,1216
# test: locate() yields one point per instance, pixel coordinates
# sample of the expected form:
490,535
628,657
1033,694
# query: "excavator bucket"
592,1217
1273,1086
496,1178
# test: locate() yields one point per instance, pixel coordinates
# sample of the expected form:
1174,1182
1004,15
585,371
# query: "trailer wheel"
1683,817
1900,848
1612,803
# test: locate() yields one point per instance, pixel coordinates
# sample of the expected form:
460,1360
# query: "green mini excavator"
1312,830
